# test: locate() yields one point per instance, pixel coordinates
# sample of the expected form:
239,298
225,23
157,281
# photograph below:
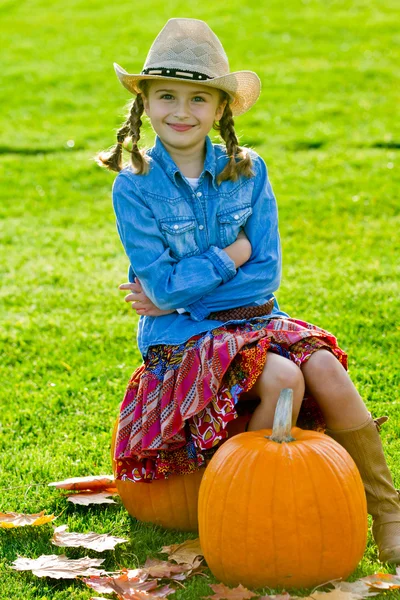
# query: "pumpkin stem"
283,418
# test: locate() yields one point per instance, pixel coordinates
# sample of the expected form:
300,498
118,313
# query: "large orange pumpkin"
171,503
282,510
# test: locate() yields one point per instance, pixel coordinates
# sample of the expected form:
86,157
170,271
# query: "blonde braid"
112,159
138,158
233,169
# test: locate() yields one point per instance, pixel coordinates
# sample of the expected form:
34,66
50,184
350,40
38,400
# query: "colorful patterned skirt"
182,402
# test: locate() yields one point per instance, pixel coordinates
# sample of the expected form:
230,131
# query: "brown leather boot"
364,445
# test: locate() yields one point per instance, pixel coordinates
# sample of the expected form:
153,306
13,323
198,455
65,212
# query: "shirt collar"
171,168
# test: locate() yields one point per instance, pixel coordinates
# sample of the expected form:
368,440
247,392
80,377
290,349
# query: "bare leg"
330,385
278,373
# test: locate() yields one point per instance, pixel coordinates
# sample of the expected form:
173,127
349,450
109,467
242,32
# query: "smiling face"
182,113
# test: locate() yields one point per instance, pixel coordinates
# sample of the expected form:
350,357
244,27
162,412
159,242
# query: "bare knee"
322,363
291,377
324,373
280,373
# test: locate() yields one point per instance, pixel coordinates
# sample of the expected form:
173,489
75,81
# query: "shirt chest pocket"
230,221
179,233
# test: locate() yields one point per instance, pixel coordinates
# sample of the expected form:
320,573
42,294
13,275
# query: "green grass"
326,125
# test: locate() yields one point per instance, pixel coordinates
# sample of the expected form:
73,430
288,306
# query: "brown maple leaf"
185,553
121,583
92,541
59,567
162,592
129,586
163,569
382,581
358,588
157,568
86,498
336,594
11,519
222,592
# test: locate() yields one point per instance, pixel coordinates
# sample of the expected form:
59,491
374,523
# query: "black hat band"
164,72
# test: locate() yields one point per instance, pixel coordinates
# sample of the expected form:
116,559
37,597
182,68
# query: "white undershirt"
193,181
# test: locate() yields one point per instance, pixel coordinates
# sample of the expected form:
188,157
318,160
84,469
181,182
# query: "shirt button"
199,194
176,226
236,217
201,227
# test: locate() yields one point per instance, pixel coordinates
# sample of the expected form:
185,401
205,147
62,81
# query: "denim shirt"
174,235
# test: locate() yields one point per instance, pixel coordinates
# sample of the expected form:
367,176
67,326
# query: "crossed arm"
218,279
239,252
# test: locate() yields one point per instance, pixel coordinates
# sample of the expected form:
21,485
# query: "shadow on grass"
304,145
36,151
387,145
294,146
301,145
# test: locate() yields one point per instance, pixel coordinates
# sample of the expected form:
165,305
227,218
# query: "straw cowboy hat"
188,50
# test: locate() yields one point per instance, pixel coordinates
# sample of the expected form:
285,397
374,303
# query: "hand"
140,302
240,251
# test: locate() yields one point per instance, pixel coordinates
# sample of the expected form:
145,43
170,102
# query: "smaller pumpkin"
282,507
171,503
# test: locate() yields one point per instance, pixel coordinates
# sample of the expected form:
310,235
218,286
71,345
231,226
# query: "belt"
243,312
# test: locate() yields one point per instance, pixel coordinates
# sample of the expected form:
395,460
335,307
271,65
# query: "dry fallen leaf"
185,553
222,592
144,579
382,581
163,569
9,520
59,567
159,593
196,567
92,498
94,483
91,540
153,595
122,583
335,594
358,588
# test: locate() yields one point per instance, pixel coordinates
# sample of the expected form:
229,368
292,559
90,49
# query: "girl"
198,222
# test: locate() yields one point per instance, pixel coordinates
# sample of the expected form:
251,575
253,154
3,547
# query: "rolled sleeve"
198,310
222,262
